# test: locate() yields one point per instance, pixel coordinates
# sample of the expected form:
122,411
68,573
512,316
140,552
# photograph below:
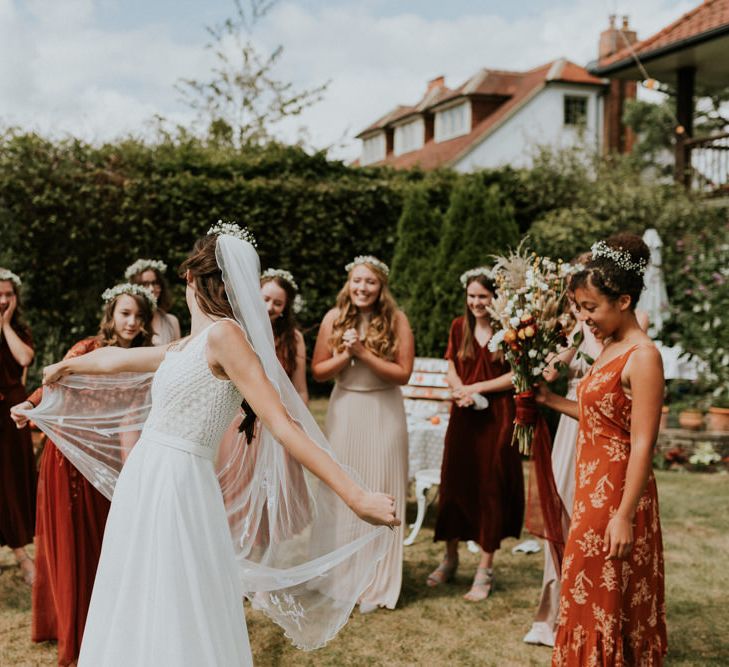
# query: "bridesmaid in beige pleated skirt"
366,345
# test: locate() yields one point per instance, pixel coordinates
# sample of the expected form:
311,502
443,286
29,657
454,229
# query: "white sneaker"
540,634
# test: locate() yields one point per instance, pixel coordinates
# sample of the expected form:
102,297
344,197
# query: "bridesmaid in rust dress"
17,465
482,484
71,512
612,609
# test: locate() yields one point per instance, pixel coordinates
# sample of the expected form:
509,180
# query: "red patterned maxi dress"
612,612
70,526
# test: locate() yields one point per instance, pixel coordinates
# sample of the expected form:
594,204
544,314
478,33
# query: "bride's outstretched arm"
230,352
107,360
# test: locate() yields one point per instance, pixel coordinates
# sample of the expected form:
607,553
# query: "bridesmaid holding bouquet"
612,608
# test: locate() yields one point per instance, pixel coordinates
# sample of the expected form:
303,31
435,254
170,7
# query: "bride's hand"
377,509
53,373
20,419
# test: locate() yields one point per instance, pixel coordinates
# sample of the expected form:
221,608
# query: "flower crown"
221,228
5,274
368,259
473,273
299,304
619,257
143,265
281,273
128,288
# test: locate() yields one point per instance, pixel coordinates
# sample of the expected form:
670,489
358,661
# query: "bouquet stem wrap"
546,515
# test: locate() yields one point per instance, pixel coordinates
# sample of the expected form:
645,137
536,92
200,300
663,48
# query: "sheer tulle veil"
303,556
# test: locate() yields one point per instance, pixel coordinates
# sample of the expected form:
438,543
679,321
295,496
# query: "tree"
477,225
243,98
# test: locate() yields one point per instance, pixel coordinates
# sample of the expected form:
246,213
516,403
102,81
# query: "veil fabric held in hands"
304,558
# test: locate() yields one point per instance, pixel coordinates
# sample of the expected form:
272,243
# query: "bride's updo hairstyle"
207,278
616,267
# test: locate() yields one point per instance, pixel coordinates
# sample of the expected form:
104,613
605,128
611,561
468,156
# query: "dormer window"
374,148
453,122
410,136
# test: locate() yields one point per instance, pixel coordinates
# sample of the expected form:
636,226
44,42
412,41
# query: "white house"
494,118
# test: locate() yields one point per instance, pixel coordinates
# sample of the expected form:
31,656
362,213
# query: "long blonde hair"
381,336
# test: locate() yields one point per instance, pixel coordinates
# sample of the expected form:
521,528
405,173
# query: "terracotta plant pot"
691,420
664,418
718,419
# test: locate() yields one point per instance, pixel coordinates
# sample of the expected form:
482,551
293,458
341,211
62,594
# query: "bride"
181,546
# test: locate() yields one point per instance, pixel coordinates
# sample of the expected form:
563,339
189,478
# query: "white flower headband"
473,273
299,304
144,265
619,257
5,274
281,273
368,259
128,288
221,228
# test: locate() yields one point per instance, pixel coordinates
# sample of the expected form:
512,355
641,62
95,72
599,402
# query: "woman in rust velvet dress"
71,513
612,608
482,484
17,464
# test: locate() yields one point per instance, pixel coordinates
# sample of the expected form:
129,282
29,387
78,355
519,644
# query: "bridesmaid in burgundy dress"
71,512
482,485
17,465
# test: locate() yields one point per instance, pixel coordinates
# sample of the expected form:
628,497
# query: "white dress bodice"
189,403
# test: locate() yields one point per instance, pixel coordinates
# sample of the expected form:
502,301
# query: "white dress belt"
176,442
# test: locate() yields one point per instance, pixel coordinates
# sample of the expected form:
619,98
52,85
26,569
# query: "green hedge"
74,215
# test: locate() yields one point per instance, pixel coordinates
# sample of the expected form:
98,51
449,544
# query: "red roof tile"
708,16
518,87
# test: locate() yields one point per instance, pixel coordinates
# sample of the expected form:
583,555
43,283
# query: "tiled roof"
517,87
708,16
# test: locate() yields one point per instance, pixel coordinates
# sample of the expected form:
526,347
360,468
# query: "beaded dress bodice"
188,401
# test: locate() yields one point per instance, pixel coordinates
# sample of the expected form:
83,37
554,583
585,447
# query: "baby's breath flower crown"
474,273
144,265
221,228
281,273
299,304
5,274
128,288
368,259
619,257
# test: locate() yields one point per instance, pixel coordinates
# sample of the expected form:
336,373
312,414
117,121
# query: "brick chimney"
434,85
617,137
438,82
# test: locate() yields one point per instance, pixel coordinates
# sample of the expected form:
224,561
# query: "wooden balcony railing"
702,165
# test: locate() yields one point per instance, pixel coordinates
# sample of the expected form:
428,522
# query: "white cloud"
62,71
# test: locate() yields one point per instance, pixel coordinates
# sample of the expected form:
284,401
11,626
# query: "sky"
102,69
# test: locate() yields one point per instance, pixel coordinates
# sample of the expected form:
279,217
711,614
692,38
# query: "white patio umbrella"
654,302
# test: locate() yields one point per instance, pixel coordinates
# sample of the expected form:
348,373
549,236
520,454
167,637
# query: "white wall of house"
539,122
373,148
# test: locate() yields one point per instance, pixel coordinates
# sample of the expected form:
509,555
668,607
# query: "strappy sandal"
28,571
482,584
443,573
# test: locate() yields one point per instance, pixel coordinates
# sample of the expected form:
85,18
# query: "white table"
425,448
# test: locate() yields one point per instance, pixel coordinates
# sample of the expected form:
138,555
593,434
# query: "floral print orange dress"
612,612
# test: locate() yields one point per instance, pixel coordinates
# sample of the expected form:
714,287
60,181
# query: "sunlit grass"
438,627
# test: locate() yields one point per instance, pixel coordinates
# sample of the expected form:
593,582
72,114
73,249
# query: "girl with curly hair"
366,345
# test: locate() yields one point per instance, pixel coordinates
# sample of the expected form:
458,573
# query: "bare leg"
483,580
25,562
445,571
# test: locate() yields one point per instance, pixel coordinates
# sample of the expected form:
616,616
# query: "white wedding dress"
167,592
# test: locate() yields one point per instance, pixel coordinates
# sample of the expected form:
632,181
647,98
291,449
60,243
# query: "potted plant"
690,416
717,418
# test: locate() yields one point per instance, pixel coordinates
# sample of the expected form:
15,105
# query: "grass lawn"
437,627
